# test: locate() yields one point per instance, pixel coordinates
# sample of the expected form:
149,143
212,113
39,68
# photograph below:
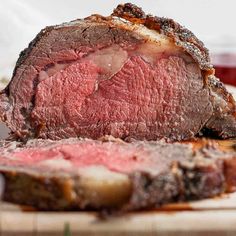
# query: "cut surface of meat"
87,174
124,105
128,75
75,154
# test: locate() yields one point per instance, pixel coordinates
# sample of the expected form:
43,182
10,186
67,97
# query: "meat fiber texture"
129,75
112,175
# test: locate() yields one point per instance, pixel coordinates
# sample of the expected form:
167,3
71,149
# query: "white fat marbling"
57,163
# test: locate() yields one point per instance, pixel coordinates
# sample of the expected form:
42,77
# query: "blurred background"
211,20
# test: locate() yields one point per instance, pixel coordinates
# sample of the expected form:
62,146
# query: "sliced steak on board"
87,174
130,75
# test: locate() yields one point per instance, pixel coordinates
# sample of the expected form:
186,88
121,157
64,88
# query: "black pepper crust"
25,53
32,44
179,34
129,10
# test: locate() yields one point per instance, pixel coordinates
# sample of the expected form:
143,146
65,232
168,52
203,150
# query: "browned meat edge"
180,35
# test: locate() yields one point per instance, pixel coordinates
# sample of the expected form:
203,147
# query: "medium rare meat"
112,175
129,75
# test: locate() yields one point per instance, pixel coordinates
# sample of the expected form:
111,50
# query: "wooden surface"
207,217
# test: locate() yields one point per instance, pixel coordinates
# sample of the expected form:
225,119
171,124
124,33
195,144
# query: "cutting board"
206,218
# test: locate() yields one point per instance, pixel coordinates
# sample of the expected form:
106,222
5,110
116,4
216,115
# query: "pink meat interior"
100,80
114,91
114,156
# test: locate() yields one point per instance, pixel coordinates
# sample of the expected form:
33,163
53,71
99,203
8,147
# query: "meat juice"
225,67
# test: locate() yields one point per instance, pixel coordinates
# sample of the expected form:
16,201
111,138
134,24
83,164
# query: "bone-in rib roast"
129,75
132,76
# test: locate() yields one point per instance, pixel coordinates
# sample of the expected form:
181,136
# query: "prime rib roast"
129,75
112,174
135,77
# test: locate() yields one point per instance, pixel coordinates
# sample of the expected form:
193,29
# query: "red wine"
225,66
226,74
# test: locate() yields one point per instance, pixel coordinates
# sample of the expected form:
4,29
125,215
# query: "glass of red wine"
225,66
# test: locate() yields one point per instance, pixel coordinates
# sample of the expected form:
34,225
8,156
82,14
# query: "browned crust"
35,190
179,34
25,53
218,87
53,192
223,121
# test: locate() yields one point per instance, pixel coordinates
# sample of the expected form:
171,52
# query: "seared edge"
223,121
24,54
179,34
61,191
193,179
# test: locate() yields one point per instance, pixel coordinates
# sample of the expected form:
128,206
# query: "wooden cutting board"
208,217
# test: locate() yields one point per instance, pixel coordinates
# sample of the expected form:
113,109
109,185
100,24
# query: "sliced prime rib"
112,175
129,75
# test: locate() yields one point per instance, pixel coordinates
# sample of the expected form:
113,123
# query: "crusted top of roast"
179,34
166,28
182,37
